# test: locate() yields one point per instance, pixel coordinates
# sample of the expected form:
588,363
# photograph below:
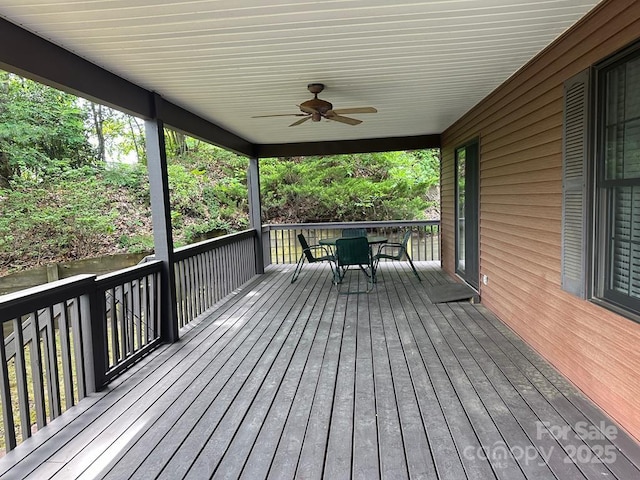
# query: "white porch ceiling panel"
422,64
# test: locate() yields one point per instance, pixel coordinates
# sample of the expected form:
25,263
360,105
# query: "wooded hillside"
66,194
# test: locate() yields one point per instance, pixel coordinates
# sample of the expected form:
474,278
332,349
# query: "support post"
255,209
161,218
93,339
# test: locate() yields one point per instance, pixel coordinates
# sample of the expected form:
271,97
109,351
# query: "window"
617,169
601,184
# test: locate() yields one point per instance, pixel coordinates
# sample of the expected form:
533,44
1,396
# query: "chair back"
354,232
353,251
305,248
405,239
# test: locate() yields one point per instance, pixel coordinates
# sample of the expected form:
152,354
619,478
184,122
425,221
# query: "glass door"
467,189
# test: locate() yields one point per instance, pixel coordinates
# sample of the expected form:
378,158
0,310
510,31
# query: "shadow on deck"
294,381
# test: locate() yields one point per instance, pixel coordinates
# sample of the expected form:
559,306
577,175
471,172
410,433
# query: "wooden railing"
63,340
208,271
45,354
128,306
280,241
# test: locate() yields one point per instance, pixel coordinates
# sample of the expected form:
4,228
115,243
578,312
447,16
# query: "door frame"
471,271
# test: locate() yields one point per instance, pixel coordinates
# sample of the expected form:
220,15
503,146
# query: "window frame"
600,196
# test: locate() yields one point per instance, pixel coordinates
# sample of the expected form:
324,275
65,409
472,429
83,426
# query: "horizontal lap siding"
520,130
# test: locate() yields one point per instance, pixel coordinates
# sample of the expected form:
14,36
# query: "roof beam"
348,146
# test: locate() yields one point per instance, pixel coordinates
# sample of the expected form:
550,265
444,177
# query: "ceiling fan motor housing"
320,106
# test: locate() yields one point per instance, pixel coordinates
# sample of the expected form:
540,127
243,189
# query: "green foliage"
136,243
37,222
133,177
379,186
42,131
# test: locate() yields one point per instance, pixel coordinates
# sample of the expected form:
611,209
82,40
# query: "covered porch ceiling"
421,64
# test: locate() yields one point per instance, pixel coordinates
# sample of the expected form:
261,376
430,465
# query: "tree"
42,130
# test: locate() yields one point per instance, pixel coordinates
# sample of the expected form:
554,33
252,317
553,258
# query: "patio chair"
308,255
354,232
396,251
354,251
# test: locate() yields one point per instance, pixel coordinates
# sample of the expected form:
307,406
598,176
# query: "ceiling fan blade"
302,120
306,109
340,111
281,115
347,120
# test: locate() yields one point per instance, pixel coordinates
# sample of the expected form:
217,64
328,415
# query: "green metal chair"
396,251
308,255
354,251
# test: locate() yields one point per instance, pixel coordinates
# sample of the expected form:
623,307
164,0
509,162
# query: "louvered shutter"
574,183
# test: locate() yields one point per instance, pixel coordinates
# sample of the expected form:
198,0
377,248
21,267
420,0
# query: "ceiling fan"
317,109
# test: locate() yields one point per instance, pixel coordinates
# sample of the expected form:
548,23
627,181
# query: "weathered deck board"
292,381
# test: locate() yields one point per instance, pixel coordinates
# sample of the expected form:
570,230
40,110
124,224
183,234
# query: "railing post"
93,340
266,245
161,217
255,209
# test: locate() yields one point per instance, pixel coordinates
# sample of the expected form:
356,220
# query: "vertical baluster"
187,291
205,280
213,279
184,308
157,304
201,283
149,309
51,363
65,354
144,312
76,329
5,396
137,310
177,278
196,286
122,323
129,316
21,379
115,331
36,371
277,237
235,263
216,273
193,289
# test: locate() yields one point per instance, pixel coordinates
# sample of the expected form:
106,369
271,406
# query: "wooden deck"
295,381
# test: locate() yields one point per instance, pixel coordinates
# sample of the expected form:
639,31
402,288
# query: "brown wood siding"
520,130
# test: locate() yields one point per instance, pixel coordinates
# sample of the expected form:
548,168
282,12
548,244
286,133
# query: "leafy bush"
380,186
38,222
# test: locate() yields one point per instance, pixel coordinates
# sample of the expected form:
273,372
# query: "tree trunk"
5,171
98,121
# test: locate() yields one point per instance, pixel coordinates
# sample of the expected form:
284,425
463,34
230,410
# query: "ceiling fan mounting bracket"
315,88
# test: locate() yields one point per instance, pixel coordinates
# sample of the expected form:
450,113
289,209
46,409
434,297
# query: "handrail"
41,296
206,245
358,224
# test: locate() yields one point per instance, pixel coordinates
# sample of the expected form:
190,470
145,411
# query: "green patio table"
370,238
